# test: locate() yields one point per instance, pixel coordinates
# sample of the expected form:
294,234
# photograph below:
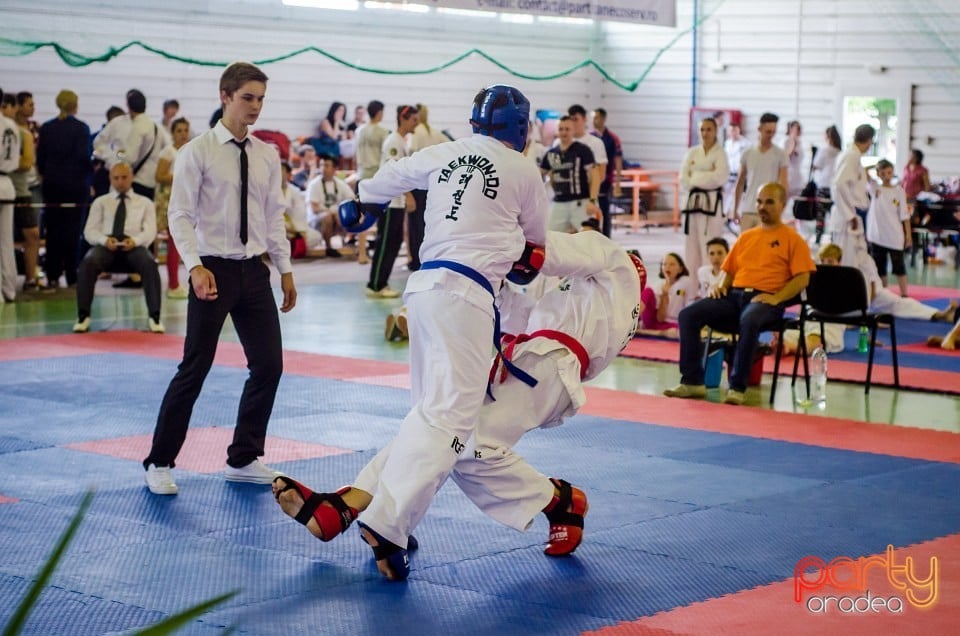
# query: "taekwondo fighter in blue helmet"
486,218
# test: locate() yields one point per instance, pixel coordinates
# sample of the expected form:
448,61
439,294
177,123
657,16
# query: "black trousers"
63,227
607,224
415,229
389,240
244,294
100,259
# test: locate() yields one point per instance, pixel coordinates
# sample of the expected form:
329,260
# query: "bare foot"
950,344
949,314
291,502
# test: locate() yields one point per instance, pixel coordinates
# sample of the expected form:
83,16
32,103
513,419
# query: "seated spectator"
307,168
120,227
768,266
324,193
661,309
709,275
303,239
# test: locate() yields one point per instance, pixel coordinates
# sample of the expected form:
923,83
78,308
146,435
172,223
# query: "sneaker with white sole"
252,473
160,480
178,292
694,391
734,397
155,326
383,292
82,326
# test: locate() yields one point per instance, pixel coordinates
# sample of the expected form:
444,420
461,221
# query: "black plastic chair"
838,294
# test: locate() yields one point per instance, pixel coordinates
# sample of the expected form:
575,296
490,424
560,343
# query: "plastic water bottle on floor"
863,342
818,377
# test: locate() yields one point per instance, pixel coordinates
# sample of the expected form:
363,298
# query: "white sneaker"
160,481
155,326
252,473
178,292
385,292
82,326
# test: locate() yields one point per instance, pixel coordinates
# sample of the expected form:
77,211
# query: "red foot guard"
333,518
565,513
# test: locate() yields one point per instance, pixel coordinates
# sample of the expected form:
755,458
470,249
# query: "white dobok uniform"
595,302
484,200
849,192
9,161
707,171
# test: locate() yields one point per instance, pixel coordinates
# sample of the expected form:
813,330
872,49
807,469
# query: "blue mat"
677,516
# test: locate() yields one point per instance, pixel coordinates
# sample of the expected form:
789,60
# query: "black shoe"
128,283
332,253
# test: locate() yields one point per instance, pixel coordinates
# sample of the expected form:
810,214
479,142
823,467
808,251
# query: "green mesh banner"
15,48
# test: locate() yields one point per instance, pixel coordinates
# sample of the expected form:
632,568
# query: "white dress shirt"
130,140
140,223
204,212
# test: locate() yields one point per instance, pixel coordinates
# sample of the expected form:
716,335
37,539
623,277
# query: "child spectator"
660,311
710,275
888,225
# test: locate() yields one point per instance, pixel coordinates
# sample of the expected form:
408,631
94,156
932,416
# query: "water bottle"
863,344
818,377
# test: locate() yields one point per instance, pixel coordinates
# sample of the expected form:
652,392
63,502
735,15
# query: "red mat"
910,377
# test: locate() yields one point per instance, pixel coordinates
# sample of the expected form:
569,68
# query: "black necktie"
243,189
120,218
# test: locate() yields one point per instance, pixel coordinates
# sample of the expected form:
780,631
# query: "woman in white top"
794,151
661,308
180,131
704,167
823,169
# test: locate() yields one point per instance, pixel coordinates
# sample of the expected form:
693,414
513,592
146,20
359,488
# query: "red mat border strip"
914,378
899,441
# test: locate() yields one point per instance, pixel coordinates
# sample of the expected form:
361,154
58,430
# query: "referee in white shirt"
222,236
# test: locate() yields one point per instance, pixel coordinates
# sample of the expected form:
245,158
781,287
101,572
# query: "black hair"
719,240
136,101
769,118
374,108
577,109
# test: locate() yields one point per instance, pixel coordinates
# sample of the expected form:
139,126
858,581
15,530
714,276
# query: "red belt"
509,342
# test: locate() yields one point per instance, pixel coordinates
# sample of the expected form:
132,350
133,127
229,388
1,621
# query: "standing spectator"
63,162
135,139
851,200
26,216
424,136
915,177
390,223
578,119
705,170
888,225
763,163
100,181
793,148
170,109
734,146
823,169
569,165
324,193
180,131
370,138
9,160
768,265
225,213
121,227
611,180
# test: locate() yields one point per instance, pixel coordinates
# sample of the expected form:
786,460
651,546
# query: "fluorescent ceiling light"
407,6
468,13
518,18
343,5
550,18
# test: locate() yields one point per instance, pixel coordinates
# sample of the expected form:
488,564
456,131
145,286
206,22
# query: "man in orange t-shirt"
767,266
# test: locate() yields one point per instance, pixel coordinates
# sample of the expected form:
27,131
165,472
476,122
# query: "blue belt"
481,280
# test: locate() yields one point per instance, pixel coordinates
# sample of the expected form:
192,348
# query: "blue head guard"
502,112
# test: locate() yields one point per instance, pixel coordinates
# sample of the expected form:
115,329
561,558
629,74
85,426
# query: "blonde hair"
66,100
830,250
423,110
